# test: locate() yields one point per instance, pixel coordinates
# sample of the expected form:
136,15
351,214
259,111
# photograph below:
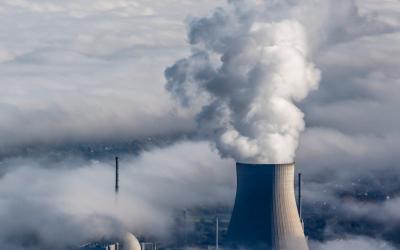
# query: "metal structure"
216,233
116,175
100,246
265,215
149,246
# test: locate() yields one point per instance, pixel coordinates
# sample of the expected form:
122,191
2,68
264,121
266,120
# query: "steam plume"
248,68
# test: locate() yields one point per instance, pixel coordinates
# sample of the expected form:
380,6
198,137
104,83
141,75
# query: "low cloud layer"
52,208
83,72
355,244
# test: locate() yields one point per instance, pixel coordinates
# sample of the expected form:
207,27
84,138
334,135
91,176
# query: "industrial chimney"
116,175
265,215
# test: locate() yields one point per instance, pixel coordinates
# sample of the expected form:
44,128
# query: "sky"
77,75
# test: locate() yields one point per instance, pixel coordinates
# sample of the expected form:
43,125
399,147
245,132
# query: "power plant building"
265,215
100,246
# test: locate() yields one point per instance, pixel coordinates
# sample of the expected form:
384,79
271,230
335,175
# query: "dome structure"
131,242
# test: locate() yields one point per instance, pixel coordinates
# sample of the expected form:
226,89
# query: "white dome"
131,242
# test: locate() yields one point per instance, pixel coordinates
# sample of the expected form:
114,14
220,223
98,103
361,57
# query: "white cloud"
99,76
75,201
358,243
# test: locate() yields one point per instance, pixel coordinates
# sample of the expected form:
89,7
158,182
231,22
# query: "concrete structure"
130,242
100,246
265,215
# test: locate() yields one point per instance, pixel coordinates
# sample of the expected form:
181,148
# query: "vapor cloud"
349,152
250,64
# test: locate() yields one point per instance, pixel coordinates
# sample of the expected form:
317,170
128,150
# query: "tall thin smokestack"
116,175
216,233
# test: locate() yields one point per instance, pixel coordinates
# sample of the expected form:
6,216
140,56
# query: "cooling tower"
265,215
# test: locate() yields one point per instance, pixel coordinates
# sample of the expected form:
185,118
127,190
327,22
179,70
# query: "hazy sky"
85,71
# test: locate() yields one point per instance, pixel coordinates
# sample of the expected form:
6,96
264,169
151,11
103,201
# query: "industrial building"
265,215
129,242
100,246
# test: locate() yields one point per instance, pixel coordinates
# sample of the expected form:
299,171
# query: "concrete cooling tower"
265,215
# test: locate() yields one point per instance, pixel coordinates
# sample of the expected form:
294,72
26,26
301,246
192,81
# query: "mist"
52,208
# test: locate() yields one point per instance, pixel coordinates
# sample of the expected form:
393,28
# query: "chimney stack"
116,175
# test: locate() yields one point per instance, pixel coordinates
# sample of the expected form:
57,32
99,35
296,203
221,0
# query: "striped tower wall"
265,214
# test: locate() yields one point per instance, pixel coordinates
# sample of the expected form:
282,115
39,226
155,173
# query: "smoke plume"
249,66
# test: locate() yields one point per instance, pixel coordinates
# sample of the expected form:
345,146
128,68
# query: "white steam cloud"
250,64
